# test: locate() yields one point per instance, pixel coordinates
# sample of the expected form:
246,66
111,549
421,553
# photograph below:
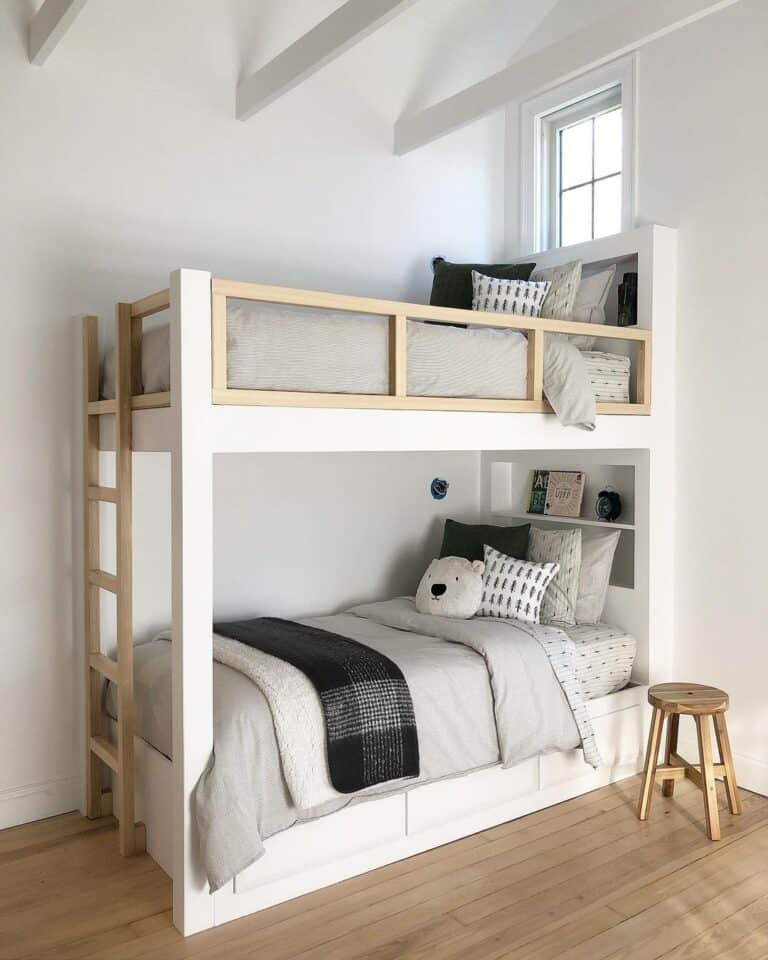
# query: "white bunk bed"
202,417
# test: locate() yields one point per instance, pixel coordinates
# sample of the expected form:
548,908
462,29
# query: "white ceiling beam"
49,25
345,27
612,37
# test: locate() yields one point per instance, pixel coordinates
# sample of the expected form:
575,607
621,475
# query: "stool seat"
707,707
688,698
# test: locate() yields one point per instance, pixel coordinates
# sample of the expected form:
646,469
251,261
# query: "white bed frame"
369,834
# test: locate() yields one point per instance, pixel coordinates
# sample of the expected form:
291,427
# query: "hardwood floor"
584,880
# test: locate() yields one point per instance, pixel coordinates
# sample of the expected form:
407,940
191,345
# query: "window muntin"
582,151
589,178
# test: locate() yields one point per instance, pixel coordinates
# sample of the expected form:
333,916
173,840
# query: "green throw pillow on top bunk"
452,282
468,540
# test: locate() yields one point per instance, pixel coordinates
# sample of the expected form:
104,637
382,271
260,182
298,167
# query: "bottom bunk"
369,834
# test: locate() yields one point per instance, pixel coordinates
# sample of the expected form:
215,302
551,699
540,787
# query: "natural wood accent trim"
149,305
707,777
643,372
123,443
398,355
98,407
535,365
219,340
419,311
103,580
91,561
149,401
726,759
102,494
673,727
624,409
106,752
103,665
144,401
398,313
366,401
651,759
106,805
682,769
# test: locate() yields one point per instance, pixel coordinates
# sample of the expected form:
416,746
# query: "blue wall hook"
439,488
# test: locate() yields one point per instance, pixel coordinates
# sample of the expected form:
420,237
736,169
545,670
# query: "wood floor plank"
583,880
726,935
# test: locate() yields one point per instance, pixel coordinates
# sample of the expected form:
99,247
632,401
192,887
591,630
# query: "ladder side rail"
131,839
91,561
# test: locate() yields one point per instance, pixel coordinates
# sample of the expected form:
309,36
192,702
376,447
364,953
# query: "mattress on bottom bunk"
244,797
281,347
603,659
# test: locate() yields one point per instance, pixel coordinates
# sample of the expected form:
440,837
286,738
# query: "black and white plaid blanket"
369,720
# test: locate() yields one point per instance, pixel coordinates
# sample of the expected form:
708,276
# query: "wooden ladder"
100,750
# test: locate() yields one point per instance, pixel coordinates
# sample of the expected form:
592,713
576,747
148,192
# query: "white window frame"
538,148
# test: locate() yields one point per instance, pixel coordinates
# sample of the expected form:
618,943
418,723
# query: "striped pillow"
564,285
508,296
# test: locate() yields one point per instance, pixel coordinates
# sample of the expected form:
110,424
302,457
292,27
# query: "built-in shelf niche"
510,485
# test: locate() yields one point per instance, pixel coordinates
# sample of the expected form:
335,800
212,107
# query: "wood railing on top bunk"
398,314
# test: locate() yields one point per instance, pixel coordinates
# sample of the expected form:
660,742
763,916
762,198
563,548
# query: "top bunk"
270,368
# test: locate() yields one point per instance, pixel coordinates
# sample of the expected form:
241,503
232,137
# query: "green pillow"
467,540
452,282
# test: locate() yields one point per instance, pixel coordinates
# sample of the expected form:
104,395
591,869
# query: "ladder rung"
105,751
104,580
103,665
106,494
97,407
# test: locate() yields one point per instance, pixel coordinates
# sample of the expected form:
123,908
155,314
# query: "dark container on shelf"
628,301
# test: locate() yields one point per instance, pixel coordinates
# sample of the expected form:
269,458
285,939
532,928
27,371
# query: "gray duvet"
483,691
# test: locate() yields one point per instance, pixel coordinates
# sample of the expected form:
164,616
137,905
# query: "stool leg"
651,759
673,725
726,758
708,776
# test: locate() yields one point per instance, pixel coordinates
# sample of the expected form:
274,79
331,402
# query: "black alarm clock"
608,505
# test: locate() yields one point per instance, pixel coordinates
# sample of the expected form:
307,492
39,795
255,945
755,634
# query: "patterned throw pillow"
564,281
514,589
508,296
563,548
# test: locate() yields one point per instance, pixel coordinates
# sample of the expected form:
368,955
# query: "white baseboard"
36,801
751,774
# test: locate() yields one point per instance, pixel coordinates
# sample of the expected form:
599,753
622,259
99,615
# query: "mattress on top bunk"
282,347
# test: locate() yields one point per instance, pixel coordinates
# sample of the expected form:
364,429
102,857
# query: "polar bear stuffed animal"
451,587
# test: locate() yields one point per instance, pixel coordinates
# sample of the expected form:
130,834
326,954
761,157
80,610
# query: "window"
585,142
577,157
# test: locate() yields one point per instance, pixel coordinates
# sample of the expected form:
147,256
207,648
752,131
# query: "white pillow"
508,296
562,294
589,306
513,589
596,562
563,548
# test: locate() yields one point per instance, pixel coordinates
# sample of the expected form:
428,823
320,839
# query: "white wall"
296,534
703,142
120,160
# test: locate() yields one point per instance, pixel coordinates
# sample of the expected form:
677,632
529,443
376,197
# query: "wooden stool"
670,700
